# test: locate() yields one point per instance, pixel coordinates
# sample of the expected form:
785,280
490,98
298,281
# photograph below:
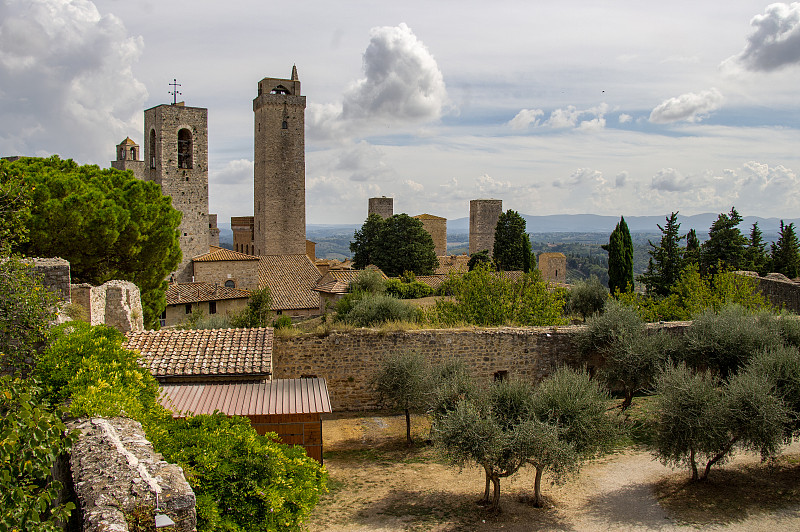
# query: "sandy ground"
378,484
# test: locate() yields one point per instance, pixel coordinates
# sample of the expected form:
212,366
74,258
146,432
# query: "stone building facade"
553,267
436,226
115,303
129,158
176,157
383,206
483,216
279,183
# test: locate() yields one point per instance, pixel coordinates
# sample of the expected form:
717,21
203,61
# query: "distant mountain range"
566,223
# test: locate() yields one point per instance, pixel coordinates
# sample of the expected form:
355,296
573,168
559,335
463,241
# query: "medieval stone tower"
128,158
382,206
279,189
176,157
483,216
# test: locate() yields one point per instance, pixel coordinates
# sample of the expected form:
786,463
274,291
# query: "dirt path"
377,484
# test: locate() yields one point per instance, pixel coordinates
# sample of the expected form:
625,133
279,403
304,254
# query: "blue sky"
582,107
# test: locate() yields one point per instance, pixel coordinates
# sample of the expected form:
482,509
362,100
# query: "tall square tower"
279,189
176,157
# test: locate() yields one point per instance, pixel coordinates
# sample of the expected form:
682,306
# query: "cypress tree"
620,258
786,252
512,247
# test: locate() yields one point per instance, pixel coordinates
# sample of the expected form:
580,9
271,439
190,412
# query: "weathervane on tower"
174,92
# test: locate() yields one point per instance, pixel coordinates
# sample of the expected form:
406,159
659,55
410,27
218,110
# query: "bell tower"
176,157
279,188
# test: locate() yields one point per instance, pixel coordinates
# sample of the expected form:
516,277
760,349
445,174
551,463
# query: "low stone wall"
348,360
115,472
780,290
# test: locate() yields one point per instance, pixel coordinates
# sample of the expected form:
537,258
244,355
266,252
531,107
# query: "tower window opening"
184,149
152,148
133,154
285,125
280,89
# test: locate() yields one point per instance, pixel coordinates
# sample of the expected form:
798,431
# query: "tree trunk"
694,465
485,500
408,428
537,488
496,497
628,400
717,458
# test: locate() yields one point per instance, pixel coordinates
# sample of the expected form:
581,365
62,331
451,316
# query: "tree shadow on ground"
633,505
421,510
732,494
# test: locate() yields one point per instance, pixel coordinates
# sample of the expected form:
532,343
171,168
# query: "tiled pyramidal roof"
210,353
216,253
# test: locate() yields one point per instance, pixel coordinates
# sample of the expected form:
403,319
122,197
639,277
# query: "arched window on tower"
133,154
184,148
285,124
152,148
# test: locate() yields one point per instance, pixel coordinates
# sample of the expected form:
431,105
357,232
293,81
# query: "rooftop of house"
207,353
429,217
217,253
291,280
275,397
337,281
180,293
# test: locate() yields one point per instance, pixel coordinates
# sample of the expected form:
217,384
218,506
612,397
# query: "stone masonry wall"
384,207
54,275
242,272
116,471
780,290
348,360
483,216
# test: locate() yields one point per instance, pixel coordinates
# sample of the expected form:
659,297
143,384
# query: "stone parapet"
116,472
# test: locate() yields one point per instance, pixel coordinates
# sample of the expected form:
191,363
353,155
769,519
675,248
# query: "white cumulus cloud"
689,107
571,117
66,78
235,172
670,180
402,83
526,118
774,42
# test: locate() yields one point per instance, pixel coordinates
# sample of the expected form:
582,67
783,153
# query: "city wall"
115,472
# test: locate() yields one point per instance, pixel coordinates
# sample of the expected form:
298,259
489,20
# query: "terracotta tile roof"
128,141
434,281
428,217
291,280
204,353
178,293
277,397
337,281
217,253
452,263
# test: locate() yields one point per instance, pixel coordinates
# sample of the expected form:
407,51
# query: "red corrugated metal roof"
280,396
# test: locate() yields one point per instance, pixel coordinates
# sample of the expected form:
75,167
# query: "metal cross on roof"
174,92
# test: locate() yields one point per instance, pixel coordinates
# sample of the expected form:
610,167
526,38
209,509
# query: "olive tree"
702,420
402,383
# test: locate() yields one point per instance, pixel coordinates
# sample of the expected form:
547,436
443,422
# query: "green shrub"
693,294
789,326
244,481
257,312
31,439
608,332
374,310
282,322
407,289
487,298
368,281
725,341
587,297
